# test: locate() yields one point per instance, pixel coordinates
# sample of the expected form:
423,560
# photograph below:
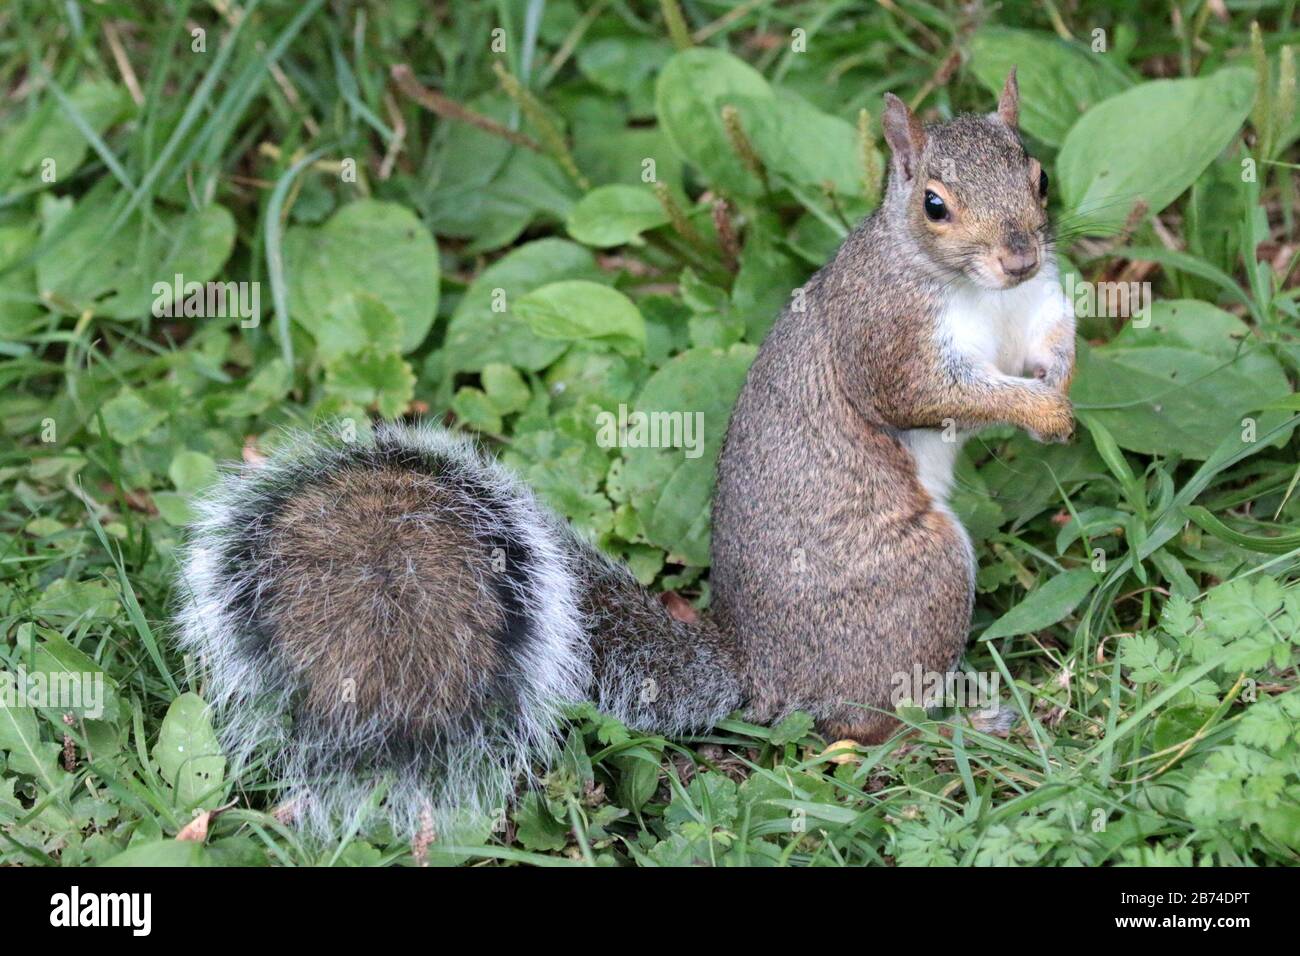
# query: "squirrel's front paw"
1056,424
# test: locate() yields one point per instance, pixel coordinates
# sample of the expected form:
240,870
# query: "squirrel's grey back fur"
402,610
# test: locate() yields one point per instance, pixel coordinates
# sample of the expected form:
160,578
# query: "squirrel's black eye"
935,208
1042,184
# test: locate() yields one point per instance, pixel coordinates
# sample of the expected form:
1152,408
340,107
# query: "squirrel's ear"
903,133
1009,101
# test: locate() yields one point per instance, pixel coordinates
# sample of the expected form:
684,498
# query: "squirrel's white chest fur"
1003,328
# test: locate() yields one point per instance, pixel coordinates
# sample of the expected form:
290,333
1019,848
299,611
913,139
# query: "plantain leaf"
1149,143
1045,605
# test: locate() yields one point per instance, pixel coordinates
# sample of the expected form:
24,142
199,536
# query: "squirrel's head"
968,193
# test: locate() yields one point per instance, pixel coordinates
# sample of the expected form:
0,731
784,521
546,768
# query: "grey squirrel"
400,610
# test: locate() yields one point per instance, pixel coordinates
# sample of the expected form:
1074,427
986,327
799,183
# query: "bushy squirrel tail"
399,611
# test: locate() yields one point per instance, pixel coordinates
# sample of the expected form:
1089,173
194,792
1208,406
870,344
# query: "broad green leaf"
638,776
691,91
973,504
1181,385
175,508
709,795
1281,822
577,310
67,600
611,152
565,465
117,277
537,829
271,383
129,418
357,322
20,735
615,215
382,379
783,128
48,140
189,755
1178,724
484,329
158,853
377,248
792,729
505,387
701,296
19,309
1149,143
670,490
75,682
1059,81
489,190
1045,605
764,284
1022,479
192,471
623,64
593,375
476,410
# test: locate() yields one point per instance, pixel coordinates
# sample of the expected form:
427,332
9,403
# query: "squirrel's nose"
1018,265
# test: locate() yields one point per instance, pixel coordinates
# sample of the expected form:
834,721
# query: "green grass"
1137,594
